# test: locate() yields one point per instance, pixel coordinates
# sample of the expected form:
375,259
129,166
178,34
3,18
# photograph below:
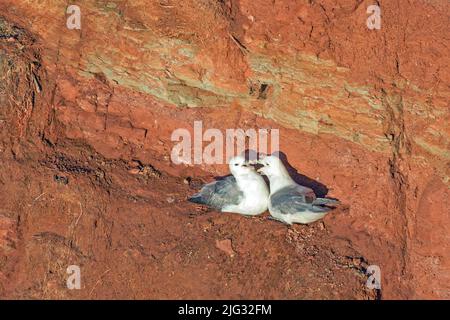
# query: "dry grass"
19,80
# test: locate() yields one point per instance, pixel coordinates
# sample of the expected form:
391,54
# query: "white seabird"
290,202
244,192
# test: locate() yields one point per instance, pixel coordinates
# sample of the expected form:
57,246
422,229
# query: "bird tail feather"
326,202
197,198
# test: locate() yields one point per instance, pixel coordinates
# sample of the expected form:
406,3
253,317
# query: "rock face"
365,112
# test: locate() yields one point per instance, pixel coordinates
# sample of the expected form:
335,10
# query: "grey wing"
294,200
219,193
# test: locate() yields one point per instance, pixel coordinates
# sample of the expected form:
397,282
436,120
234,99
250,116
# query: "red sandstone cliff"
365,112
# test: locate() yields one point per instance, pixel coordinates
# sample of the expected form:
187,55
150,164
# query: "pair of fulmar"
245,192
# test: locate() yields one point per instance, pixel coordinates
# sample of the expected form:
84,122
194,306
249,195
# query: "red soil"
86,119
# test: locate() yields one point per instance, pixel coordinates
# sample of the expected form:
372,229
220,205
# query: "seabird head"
271,166
238,166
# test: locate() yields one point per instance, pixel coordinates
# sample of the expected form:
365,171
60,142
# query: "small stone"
356,261
134,171
170,200
134,163
226,246
248,39
205,226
